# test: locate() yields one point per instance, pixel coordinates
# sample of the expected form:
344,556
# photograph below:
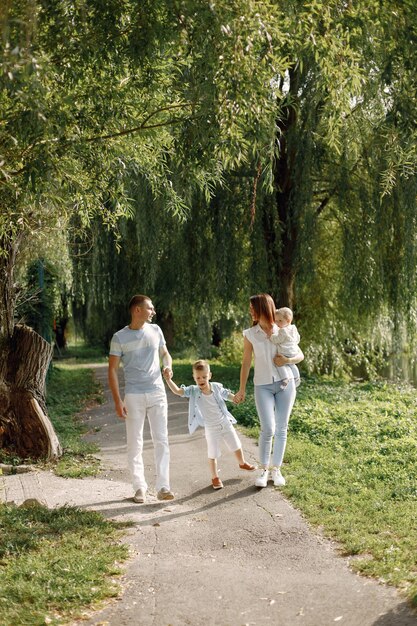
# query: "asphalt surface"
232,557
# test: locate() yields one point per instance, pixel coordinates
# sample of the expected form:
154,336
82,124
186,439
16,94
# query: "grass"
80,353
351,467
54,563
68,390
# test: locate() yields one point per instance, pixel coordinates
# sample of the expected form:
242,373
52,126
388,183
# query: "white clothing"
217,426
210,410
154,406
266,372
138,350
287,340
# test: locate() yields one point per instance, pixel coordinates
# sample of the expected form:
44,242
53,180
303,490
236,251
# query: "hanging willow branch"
254,192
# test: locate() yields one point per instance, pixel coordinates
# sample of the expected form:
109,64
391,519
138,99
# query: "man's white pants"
154,406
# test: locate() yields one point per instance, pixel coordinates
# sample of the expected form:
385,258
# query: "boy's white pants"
154,406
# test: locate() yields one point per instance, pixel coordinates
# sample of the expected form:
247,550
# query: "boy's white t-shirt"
211,412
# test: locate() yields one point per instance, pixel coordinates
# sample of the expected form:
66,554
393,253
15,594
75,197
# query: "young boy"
207,408
286,339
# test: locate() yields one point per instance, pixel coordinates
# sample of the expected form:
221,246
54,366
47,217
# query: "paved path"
233,557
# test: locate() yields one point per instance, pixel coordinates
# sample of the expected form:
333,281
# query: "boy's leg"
232,441
239,455
213,468
213,453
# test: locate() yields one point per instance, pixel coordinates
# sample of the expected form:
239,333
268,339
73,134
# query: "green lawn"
55,563
69,387
351,467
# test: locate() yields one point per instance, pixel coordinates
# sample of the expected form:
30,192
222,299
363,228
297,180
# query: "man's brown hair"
137,300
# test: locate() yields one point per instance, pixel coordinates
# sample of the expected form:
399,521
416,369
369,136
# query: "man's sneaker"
277,477
262,479
248,467
165,494
140,496
217,483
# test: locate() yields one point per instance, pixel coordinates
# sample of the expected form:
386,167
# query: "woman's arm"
244,370
281,360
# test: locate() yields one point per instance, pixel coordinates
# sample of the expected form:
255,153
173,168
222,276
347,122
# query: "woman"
273,403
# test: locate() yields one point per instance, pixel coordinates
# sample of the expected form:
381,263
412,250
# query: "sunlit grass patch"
351,468
68,392
55,563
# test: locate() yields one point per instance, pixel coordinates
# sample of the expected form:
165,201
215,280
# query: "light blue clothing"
195,417
274,406
139,353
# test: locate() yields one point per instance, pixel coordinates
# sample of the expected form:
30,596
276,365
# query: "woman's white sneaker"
262,479
277,477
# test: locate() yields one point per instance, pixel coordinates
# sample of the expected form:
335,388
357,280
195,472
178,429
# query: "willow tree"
68,134
310,104
92,96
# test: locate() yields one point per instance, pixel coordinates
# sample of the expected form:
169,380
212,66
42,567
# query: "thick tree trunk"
25,429
284,254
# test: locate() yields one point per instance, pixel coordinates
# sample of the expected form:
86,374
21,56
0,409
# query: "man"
140,347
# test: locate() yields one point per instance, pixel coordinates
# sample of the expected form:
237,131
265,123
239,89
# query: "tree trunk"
25,429
283,253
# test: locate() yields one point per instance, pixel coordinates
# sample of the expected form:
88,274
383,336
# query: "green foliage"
41,303
231,349
36,585
232,147
67,391
350,466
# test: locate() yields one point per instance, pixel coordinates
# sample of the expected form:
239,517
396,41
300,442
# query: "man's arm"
113,379
166,360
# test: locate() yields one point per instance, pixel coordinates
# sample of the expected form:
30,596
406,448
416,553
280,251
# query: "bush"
231,349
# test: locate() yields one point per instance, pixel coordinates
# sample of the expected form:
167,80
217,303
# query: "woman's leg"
265,405
284,401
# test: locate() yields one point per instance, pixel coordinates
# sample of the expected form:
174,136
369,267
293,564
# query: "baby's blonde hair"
286,313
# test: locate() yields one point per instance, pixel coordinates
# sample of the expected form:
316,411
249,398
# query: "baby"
286,339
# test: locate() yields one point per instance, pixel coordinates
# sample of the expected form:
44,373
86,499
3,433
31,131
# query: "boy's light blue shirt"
195,417
139,353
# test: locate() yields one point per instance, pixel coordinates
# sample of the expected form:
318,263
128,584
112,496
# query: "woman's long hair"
263,306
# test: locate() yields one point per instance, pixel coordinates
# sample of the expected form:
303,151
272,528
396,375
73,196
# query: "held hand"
239,396
167,373
280,360
121,410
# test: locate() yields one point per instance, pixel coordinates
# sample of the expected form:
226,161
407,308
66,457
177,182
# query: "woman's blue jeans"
274,406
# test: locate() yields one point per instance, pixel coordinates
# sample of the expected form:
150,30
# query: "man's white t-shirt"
139,353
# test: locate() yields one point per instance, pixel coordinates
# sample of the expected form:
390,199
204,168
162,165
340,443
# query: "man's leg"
136,412
157,411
